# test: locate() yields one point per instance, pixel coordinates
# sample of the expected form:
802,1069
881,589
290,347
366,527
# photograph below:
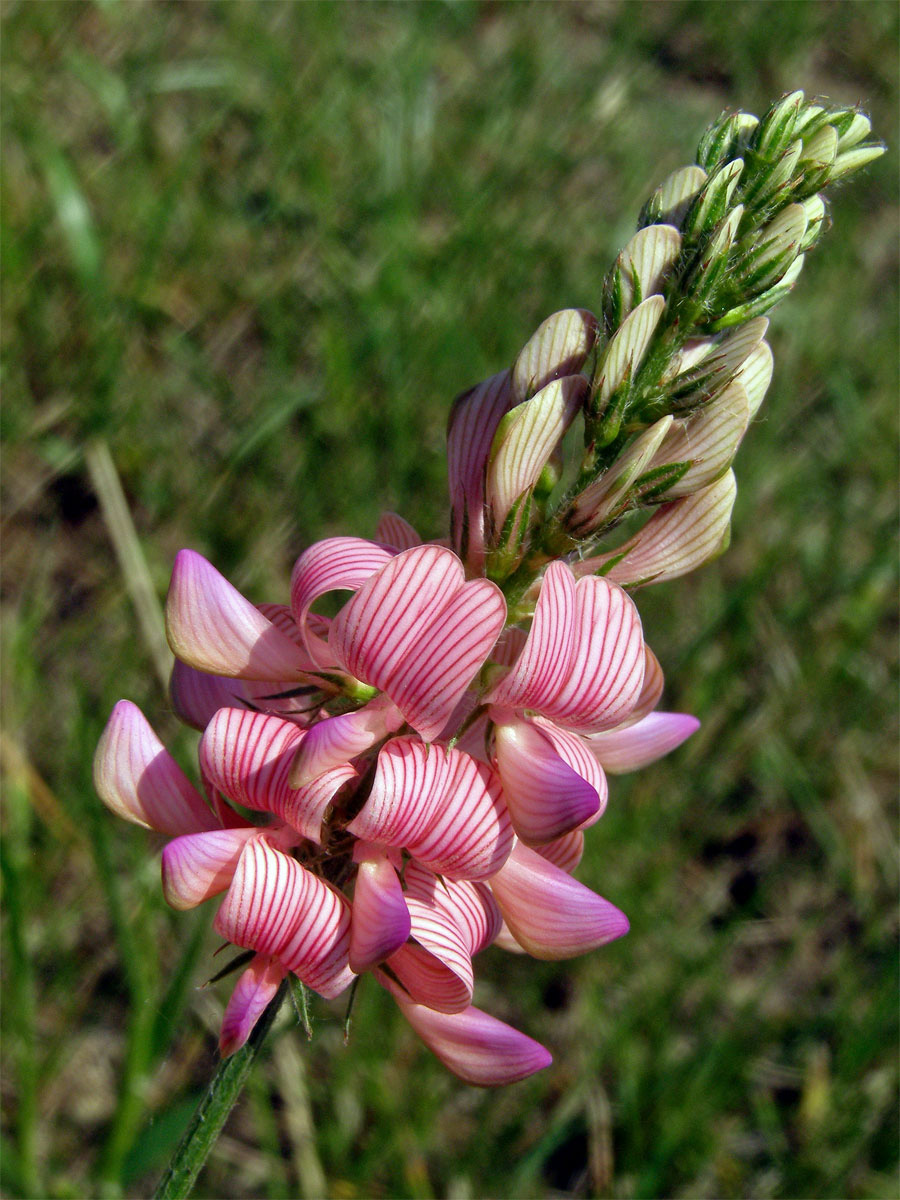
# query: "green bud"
712,204
711,261
811,119
815,210
768,181
776,130
776,246
673,197
853,159
856,129
725,139
762,303
820,150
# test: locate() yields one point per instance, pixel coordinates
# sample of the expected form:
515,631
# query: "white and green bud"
524,443
624,353
640,271
679,537
604,500
776,130
711,262
673,197
852,160
727,138
821,150
755,375
712,204
815,210
559,347
775,248
858,127
702,381
811,119
708,440
769,183
761,303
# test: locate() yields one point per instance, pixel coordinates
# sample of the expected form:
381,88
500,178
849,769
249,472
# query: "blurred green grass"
255,250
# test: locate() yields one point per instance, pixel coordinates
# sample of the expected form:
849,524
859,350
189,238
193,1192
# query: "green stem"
214,1109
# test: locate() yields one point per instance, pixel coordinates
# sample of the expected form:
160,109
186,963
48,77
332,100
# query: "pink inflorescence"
424,767
427,777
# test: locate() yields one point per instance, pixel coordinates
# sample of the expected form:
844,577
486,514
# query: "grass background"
252,251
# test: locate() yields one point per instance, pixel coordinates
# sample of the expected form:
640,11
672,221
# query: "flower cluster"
419,770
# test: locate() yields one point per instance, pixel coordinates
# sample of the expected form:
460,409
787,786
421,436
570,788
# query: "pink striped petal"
607,666
442,663
471,834
470,906
572,748
251,996
281,616
337,739
306,809
550,913
380,923
277,907
438,970
525,441
409,784
197,696
633,746
249,755
652,688
335,564
476,1047
393,531
419,632
377,628
197,866
473,422
212,627
545,663
137,778
544,795
564,852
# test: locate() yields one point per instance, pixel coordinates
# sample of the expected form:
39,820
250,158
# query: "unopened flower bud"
678,538
559,347
713,203
776,130
639,271
726,139
858,127
621,362
673,197
708,439
604,500
852,160
815,210
769,184
523,444
711,263
775,249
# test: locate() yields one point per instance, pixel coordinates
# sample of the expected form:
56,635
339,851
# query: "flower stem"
214,1109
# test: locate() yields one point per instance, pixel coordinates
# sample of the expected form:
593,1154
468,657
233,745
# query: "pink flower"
392,778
